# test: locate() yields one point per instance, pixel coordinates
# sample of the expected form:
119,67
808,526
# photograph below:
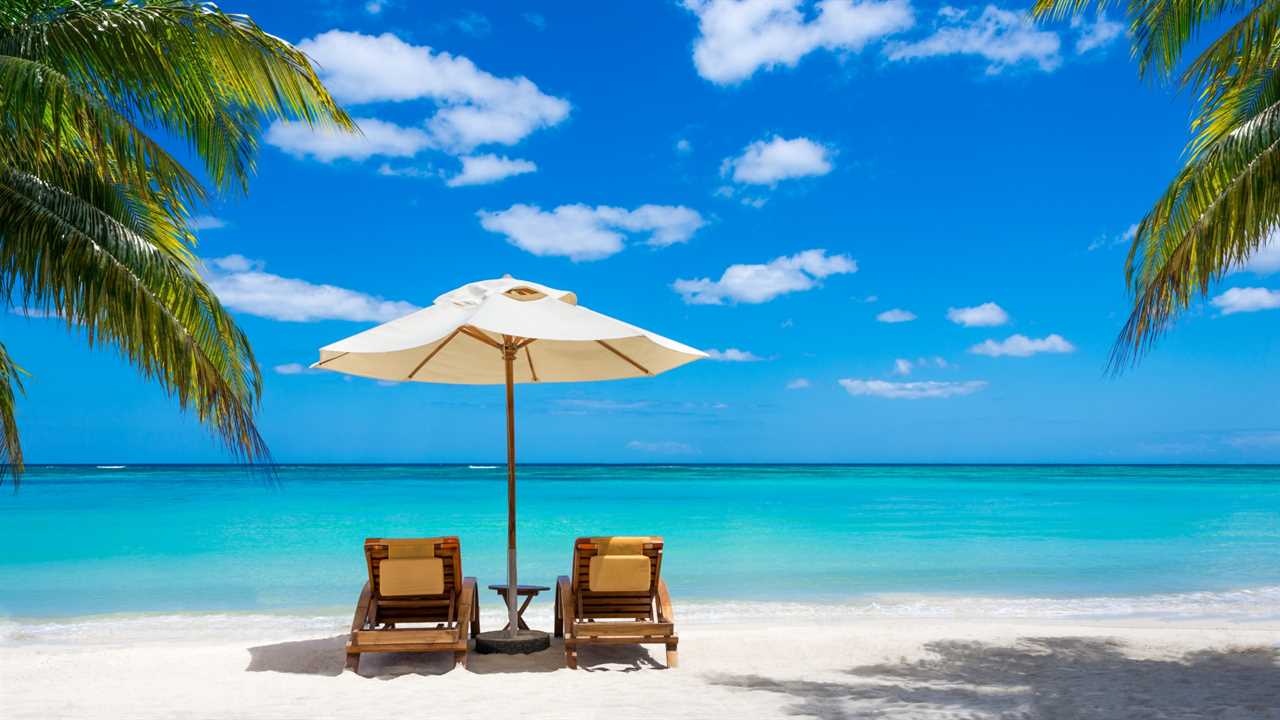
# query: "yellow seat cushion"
621,545
618,573
397,549
411,576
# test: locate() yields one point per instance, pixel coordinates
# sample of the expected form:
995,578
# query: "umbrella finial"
506,276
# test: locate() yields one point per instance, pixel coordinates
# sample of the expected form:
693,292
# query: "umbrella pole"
509,357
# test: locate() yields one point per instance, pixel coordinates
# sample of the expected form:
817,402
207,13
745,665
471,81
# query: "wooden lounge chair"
414,582
616,596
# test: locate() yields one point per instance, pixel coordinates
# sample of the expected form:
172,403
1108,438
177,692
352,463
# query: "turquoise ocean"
1027,540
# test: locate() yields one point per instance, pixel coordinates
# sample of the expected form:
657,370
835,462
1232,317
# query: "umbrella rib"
622,355
432,354
529,357
472,332
322,363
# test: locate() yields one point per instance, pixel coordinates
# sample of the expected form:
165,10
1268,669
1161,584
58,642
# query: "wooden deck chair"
416,600
616,596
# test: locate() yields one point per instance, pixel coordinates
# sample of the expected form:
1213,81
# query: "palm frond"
1216,213
203,75
79,255
11,461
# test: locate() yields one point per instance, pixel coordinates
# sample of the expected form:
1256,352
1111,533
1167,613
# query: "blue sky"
774,180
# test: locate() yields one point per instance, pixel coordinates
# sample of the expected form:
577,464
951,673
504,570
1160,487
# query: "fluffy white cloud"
761,283
580,232
662,447
911,390
1096,34
738,37
799,384
1266,259
766,162
374,7
1002,37
902,366
1238,300
987,314
376,137
473,107
207,222
483,169
243,285
896,315
683,146
1023,346
732,355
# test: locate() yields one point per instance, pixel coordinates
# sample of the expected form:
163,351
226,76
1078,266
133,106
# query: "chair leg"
353,662
672,659
571,657
460,658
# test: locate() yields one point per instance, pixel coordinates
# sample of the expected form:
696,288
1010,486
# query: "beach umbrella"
505,331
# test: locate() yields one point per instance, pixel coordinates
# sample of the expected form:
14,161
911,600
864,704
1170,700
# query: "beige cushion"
411,576
618,573
411,549
621,545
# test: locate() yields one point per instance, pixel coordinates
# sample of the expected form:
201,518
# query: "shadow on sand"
327,656
1058,678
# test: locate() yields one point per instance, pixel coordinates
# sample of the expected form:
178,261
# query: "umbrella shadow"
612,658
1068,678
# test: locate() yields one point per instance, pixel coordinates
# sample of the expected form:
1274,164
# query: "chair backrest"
632,602
430,607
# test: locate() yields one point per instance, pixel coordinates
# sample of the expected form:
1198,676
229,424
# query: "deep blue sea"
87,540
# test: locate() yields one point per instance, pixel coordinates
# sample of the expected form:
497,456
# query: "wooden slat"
622,629
369,638
659,640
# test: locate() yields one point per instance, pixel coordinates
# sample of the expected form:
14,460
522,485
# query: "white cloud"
871,299
902,366
1265,260
732,355
472,107
1096,34
32,312
987,314
896,315
799,384
580,232
737,38
1122,239
1240,300
296,369
326,144
484,169
663,447
911,390
206,222
1023,346
538,22
374,7
411,171
683,146
767,162
1002,37
243,285
756,283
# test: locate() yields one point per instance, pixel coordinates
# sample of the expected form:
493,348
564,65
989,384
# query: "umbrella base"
525,642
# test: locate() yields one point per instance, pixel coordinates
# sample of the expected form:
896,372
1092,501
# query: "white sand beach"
264,666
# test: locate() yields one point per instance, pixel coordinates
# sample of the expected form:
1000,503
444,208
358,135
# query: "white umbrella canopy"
458,340
505,331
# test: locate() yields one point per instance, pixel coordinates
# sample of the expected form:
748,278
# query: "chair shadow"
327,657
1075,678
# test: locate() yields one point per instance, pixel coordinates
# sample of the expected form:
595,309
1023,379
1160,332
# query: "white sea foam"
482,467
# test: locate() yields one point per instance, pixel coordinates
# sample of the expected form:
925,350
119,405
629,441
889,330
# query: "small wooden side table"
528,592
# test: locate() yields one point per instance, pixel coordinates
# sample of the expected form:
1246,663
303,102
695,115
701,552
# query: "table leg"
520,613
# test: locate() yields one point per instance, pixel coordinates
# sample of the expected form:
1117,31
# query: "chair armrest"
362,608
665,613
466,605
564,594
